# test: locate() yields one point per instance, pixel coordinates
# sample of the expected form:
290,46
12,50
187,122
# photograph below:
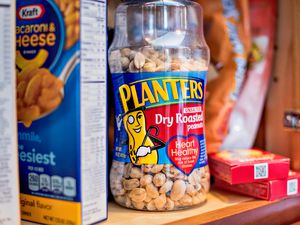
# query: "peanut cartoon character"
141,148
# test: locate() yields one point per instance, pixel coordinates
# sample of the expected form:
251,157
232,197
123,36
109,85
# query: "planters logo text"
161,91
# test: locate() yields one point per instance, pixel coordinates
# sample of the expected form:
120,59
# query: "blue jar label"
160,119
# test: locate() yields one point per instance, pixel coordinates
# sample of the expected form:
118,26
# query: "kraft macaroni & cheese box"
62,110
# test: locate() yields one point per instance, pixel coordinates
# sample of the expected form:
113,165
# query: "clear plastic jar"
159,61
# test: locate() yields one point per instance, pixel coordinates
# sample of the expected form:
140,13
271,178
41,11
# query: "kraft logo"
30,12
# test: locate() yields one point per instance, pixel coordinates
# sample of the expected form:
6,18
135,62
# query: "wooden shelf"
220,208
117,215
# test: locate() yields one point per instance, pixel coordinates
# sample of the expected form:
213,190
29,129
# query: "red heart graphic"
184,153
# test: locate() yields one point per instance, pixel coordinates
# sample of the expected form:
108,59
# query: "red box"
248,166
268,190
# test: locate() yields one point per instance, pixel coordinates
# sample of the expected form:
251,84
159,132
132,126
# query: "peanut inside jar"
147,59
38,93
158,187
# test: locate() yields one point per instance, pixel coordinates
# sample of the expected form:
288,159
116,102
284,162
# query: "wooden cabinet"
284,94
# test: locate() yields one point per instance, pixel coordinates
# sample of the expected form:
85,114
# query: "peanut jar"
159,62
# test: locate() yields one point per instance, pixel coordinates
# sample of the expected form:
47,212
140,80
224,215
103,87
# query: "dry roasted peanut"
116,183
148,51
136,173
145,180
190,190
138,205
197,187
138,194
157,168
147,168
127,170
175,66
127,202
174,171
180,176
205,184
198,198
205,174
132,68
148,199
152,191
167,167
118,169
158,62
186,200
149,67
159,179
139,60
118,191
115,62
194,178
125,63
149,60
162,57
151,206
189,65
115,56
169,204
125,52
131,184
120,199
166,187
117,165
132,55
160,202
162,67
178,190
177,204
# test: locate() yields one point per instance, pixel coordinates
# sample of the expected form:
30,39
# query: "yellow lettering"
159,91
147,94
200,90
19,41
193,89
51,38
184,89
34,40
25,41
18,29
42,40
125,95
173,87
135,97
